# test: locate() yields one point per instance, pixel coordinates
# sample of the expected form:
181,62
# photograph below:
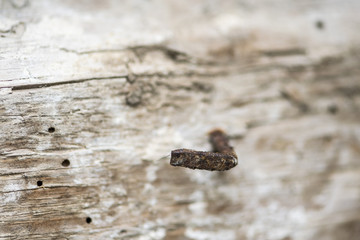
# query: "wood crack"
43,85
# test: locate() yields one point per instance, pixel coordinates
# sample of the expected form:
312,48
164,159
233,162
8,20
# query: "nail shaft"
223,158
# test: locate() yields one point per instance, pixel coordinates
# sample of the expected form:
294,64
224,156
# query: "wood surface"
94,95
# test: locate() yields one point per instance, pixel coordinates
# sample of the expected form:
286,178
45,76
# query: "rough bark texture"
114,86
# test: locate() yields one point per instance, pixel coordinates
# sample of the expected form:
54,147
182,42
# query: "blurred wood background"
95,94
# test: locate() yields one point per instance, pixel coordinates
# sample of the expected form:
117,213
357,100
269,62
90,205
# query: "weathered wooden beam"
94,95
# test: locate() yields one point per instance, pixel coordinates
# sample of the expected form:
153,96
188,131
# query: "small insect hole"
65,163
51,129
319,24
333,109
39,183
88,220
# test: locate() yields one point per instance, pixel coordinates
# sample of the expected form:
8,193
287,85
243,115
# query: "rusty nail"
223,158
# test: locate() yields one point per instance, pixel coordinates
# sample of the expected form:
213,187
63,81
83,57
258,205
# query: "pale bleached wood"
125,82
